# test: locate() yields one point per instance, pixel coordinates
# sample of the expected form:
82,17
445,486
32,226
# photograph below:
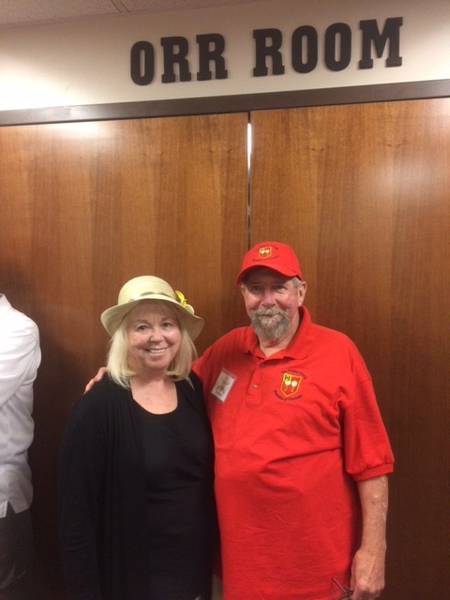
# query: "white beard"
270,323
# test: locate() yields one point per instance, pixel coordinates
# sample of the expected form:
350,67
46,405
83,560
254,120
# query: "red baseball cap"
273,255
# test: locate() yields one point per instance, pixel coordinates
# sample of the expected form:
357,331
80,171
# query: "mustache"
268,312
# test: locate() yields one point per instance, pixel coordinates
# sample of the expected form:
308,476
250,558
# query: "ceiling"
14,13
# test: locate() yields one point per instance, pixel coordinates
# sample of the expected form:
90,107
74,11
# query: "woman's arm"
81,472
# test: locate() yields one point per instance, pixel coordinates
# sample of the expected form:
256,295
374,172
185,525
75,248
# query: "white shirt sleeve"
19,356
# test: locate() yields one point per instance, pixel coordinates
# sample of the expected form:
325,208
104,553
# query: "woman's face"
153,338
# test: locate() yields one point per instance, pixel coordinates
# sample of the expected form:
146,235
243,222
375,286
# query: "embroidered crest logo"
265,252
290,384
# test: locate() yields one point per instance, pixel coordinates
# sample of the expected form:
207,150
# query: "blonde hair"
117,362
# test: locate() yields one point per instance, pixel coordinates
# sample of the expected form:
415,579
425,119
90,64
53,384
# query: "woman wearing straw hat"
136,472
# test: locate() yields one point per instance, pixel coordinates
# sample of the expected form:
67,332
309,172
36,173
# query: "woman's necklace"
157,397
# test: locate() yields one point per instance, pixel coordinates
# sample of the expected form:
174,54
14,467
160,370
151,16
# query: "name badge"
223,385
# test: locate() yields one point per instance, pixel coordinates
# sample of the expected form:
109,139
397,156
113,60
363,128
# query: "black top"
178,516
136,499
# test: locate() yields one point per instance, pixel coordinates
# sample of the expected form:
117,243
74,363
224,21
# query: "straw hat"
149,287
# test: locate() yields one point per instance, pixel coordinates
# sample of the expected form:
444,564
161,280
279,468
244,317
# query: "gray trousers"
16,555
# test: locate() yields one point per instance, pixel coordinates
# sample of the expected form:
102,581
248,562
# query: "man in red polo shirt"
301,451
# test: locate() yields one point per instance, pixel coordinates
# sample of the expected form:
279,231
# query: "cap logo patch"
265,252
290,384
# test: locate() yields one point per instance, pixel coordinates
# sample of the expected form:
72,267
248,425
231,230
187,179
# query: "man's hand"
367,580
100,374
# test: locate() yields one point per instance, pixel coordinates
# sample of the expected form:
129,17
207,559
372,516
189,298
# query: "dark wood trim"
226,104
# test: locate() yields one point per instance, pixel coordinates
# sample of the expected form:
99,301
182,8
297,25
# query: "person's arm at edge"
367,578
20,357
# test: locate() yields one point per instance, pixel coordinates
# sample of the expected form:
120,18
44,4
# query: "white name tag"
223,385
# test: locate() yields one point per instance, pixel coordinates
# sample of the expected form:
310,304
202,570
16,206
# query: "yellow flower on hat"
183,301
181,298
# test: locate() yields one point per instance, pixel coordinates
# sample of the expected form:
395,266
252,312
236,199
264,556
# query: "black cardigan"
102,494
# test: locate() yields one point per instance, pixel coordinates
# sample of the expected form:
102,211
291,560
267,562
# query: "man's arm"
98,377
368,563
19,358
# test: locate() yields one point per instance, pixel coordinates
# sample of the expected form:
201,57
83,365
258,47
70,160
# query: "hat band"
147,294
180,300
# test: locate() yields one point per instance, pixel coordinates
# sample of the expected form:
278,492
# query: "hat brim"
282,271
112,317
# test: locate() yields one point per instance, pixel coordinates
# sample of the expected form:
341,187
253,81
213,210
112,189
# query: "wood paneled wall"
87,206
360,191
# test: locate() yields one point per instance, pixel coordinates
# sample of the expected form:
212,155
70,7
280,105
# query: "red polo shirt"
292,432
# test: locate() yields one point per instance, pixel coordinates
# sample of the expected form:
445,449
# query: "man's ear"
302,292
